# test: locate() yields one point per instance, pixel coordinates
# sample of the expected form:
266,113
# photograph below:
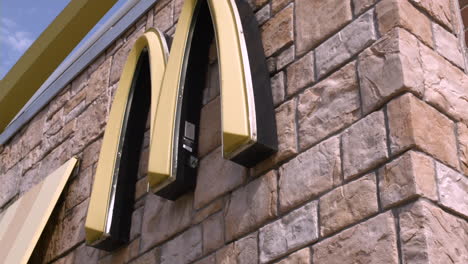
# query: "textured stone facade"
371,102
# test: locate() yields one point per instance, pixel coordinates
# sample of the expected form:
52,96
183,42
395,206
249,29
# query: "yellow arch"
237,103
101,202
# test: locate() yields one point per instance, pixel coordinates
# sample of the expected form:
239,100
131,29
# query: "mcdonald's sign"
169,90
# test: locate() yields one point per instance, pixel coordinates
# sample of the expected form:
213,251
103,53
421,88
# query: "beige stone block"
92,123
213,233
373,241
91,154
178,4
149,19
311,173
440,10
75,106
85,254
10,184
79,189
278,32
277,88
317,20
361,5
216,177
409,176
286,57
13,154
287,136
120,57
141,188
462,130
150,257
277,5
447,45
32,136
301,73
389,67
446,85
184,248
453,189
210,127
293,231
345,44
302,256
163,218
328,106
263,14
348,204
98,81
79,83
164,18
242,251
256,4
213,207
364,145
251,206
400,13
211,259
414,123
430,235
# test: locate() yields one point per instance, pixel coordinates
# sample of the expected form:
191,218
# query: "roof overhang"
46,53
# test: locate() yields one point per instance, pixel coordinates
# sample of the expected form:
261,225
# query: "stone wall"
372,112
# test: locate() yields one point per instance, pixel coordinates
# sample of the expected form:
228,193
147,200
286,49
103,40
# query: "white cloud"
15,39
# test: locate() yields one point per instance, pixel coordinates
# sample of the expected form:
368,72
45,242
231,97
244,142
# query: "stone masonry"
371,102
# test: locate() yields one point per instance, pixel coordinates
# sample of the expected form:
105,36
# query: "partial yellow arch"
237,103
101,202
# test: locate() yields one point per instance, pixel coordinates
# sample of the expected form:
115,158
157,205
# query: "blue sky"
22,21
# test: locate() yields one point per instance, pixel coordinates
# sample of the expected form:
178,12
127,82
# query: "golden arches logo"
174,103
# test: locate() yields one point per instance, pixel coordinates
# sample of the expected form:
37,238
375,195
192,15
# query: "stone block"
164,18
447,45
79,83
210,127
364,145
373,241
311,173
453,189
302,256
213,233
277,5
407,177
163,218
10,184
445,84
251,206
137,217
362,5
414,123
33,134
216,177
430,235
301,73
287,137
208,210
98,81
345,44
91,154
328,106
348,204
242,251
440,10
401,13
286,57
389,67
277,88
120,57
289,233
184,248
263,14
278,32
211,259
317,20
256,4
79,189
85,254
150,257
462,131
